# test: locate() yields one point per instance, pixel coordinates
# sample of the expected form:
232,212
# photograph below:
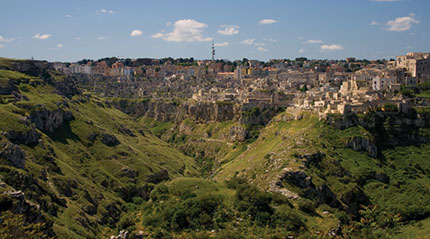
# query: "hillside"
75,164
76,159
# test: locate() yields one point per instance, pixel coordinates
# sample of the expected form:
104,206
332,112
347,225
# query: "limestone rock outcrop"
29,137
363,144
49,120
14,154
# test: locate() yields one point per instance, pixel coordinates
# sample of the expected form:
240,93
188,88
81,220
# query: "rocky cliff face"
171,111
201,112
16,202
363,144
48,120
402,127
14,154
298,178
27,137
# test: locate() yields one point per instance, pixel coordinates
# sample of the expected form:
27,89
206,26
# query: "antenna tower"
213,51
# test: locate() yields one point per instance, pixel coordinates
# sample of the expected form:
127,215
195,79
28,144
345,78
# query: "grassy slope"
229,215
342,169
208,143
88,166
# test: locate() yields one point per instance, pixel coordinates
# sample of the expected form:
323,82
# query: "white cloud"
249,41
313,42
267,21
185,30
42,37
229,30
7,40
221,44
60,45
259,44
300,38
1,45
68,15
136,33
270,40
401,24
107,11
158,35
77,38
302,50
333,47
101,38
262,49
374,23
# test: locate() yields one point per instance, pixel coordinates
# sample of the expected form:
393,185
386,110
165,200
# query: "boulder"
29,137
109,140
123,234
14,154
296,178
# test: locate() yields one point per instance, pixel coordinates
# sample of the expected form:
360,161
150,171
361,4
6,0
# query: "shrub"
160,192
307,206
286,217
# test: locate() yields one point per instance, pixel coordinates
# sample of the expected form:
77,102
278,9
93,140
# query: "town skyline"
367,29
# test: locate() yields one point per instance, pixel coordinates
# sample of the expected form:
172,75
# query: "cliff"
399,126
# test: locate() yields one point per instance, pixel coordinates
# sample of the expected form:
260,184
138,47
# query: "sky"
270,29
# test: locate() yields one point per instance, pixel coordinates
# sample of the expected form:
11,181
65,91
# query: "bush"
388,107
406,92
286,217
306,205
160,192
253,202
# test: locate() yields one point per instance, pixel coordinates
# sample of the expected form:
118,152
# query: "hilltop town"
323,86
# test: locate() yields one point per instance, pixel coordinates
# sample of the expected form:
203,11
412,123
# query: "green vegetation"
187,204
13,227
93,170
80,183
396,181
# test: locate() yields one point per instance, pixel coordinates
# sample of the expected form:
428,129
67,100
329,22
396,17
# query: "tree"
12,226
301,59
374,223
128,62
304,88
406,92
84,61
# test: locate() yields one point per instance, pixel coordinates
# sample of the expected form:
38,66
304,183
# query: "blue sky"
323,29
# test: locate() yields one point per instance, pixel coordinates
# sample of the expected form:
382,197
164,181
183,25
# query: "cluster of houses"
328,87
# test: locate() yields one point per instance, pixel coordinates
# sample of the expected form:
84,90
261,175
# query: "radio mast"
213,51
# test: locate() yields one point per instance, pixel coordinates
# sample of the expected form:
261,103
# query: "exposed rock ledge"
14,154
48,120
363,144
